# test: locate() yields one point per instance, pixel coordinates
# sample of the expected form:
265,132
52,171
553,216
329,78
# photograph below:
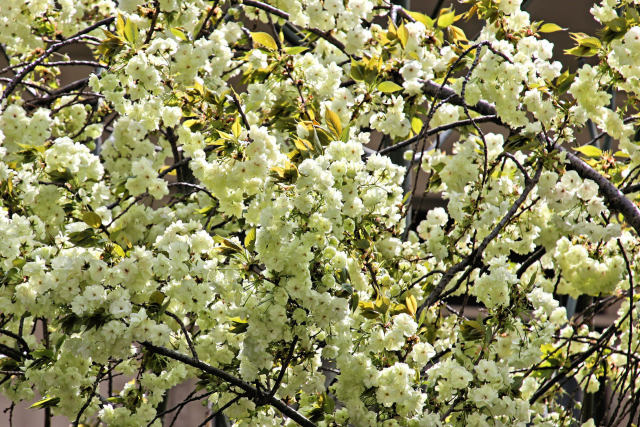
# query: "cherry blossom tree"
217,204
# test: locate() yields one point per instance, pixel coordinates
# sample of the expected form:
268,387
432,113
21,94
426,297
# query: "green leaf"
416,125
264,39
92,219
333,122
328,404
131,32
47,402
362,244
250,239
117,250
303,145
420,17
588,41
582,51
179,33
238,325
236,128
403,35
83,238
550,28
564,81
389,87
472,330
367,312
357,71
295,50
345,134
120,25
227,244
589,150
446,19
157,297
618,24
412,305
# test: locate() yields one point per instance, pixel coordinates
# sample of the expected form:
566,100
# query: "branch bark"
259,396
474,256
612,195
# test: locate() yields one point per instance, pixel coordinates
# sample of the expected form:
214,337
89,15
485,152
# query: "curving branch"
612,195
476,254
436,130
252,392
54,47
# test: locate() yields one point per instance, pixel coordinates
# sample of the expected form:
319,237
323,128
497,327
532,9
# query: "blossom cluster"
217,199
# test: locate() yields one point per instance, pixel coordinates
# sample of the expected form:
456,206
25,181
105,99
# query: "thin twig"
185,332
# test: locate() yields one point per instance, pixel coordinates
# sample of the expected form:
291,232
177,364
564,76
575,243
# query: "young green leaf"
589,150
389,87
333,122
446,19
550,27
92,219
264,39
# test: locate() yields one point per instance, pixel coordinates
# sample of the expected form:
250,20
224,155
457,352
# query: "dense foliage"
211,204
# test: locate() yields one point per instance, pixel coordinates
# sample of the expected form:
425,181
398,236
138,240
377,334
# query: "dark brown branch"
239,107
154,19
210,12
477,253
267,8
466,122
284,366
190,398
584,356
253,393
185,332
54,47
28,84
193,186
23,344
10,352
282,14
612,195
59,92
221,410
90,398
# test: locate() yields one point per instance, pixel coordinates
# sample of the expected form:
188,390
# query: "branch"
267,8
185,332
612,195
90,398
252,392
465,122
10,352
282,14
190,185
26,70
212,9
220,411
154,19
477,253
444,92
58,93
23,344
283,369
584,356
239,107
